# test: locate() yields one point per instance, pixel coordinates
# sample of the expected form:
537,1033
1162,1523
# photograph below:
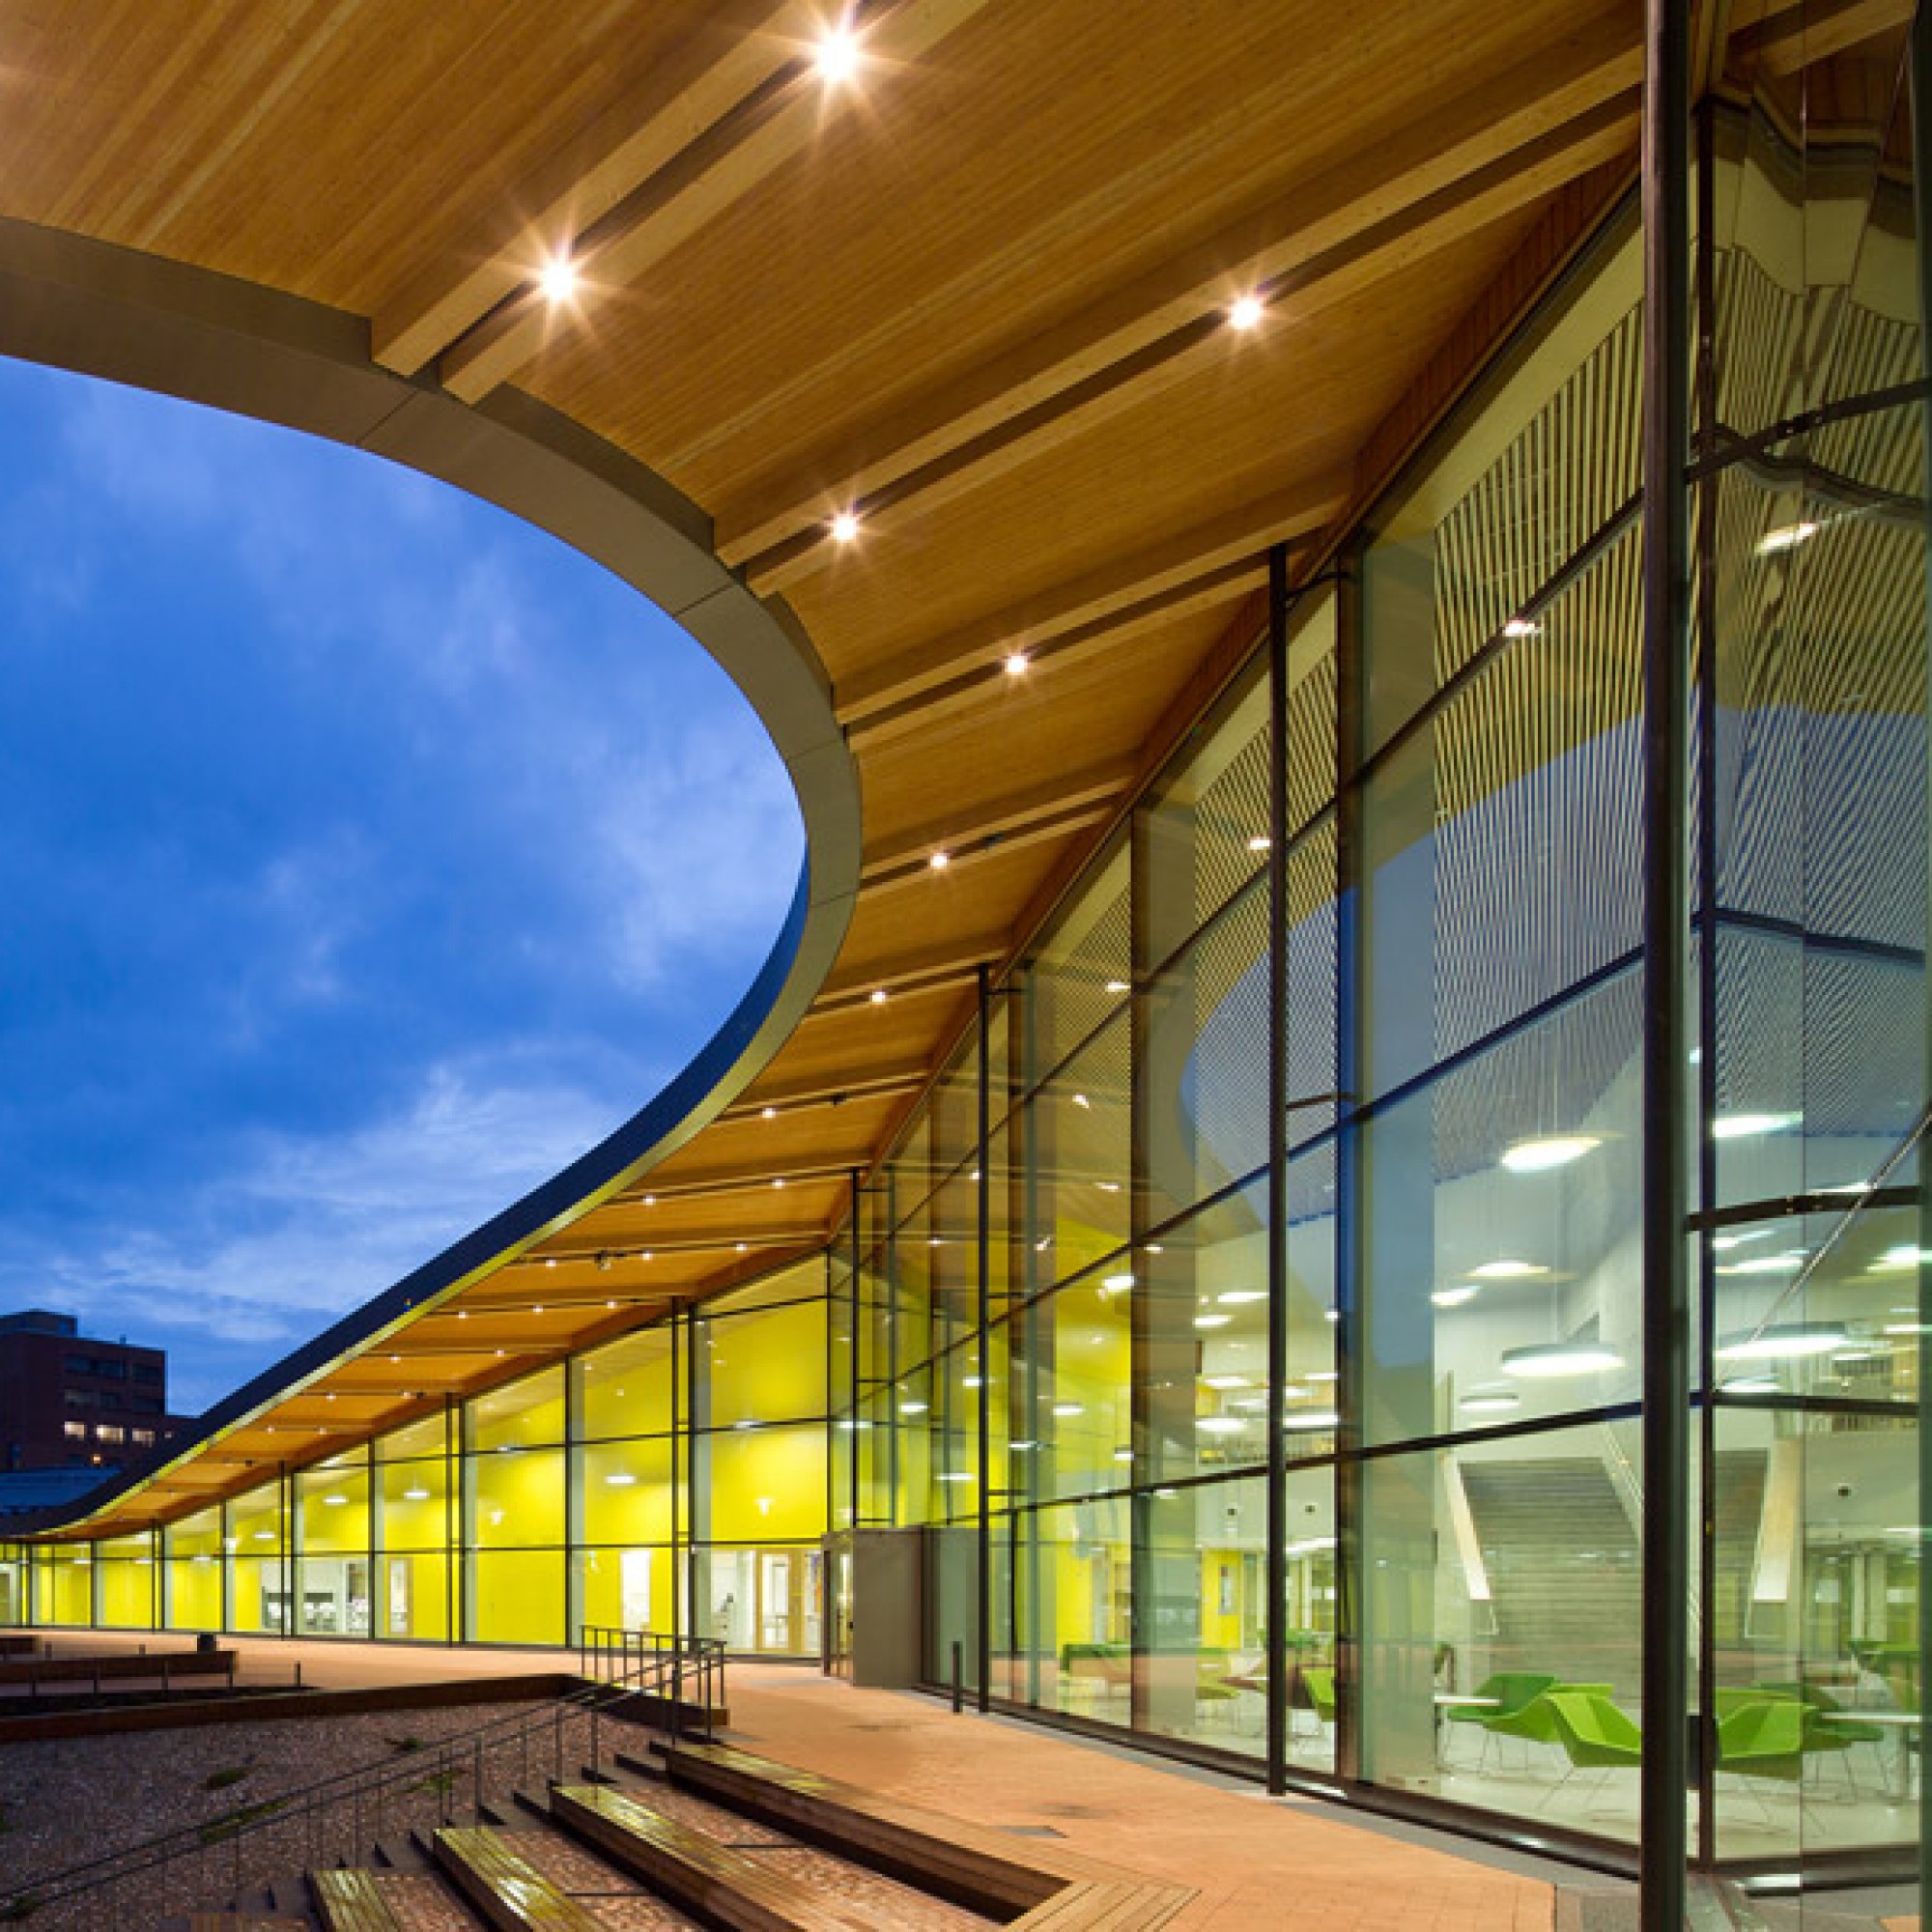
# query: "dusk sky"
366,854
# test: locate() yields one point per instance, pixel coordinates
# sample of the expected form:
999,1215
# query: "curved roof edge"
127,317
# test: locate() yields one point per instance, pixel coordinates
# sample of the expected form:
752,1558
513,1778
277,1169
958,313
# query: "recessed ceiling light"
1788,1262
1246,312
940,861
551,1263
1546,1361
839,54
1212,1320
1081,1100
1536,1156
1787,537
558,279
1113,1283
1116,986
1507,1269
912,1408
878,996
1260,842
1016,663
415,1495
1455,1298
1064,1409
1311,1418
1236,1297
1225,1382
619,1479
1222,1425
650,1200
844,528
778,1180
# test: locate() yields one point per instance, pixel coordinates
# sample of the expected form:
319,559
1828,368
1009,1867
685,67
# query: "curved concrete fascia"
126,317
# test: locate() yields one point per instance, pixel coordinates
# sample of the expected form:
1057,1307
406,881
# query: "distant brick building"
67,1400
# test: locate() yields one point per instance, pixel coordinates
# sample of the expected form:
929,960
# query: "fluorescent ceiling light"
1507,1270
1539,1155
1491,1401
1212,1320
1548,1361
1745,1126
1222,1425
1238,1297
1787,537
1455,1298
1311,1418
1783,1340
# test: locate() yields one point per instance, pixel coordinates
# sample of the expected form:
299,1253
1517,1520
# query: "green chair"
1315,1690
1830,1730
1535,1722
1513,1691
1592,1733
1762,1737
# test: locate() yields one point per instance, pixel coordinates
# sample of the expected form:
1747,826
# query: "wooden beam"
1793,37
768,127
690,90
1193,570
1048,811
1368,213
935,969
863,1085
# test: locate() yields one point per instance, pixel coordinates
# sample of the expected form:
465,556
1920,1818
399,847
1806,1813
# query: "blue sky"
365,854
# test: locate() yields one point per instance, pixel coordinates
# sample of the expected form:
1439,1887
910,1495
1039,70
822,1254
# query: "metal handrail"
620,1667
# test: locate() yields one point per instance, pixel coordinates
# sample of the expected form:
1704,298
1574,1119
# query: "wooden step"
348,1901
695,1872
506,1891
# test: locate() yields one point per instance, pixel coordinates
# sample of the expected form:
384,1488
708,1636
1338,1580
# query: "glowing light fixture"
1745,1126
1246,312
1788,1262
1490,1401
1455,1298
1016,663
1212,1320
844,528
1539,1155
1114,1283
1783,1340
619,1479
1549,1361
1521,627
1222,1425
839,54
558,279
1225,1382
1240,1298
878,996
1311,1419
1787,537
1508,1269
1260,842
912,1408
1116,986
940,861
1066,1409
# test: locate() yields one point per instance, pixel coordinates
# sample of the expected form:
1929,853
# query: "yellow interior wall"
640,1511
254,1577
519,1595
767,1484
126,1595
519,1499
766,1367
410,1521
68,1595
194,1595
601,1573
335,1529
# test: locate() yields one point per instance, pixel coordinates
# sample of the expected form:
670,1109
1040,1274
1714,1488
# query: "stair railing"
205,1866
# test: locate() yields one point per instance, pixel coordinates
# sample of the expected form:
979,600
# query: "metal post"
1921,183
984,1233
1667,1383
1276,1627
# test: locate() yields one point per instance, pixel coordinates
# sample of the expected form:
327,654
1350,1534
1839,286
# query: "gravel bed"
68,1800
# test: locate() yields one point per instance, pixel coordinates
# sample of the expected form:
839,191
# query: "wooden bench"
1047,1888
509,1893
692,1869
14,1644
351,1901
119,1663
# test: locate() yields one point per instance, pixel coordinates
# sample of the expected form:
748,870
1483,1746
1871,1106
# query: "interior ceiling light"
1322,1375
619,1479
1016,663
1787,537
844,528
778,1180
418,1495
551,1263
1895,1260
912,1408
1212,1320
1548,1150
1081,1100
558,279
1116,986
1783,1340
1311,1418
1222,1425
1744,1126
1752,1385
1521,627
839,54
940,861
650,1200
1238,1297
1490,1401
768,1113
1788,1262
1549,1361
335,1502
1066,1409
1246,312
1225,1382
1115,1282
1260,842
1455,1298
878,996
1507,1269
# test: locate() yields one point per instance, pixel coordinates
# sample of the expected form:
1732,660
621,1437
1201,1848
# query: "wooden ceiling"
978,296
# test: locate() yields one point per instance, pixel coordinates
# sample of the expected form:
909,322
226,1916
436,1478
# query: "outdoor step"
505,1890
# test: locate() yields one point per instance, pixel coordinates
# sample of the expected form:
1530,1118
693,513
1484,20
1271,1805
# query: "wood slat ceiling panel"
1072,715
790,1141
1278,408
1045,151
331,154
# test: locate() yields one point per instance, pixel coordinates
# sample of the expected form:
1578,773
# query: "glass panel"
526,1413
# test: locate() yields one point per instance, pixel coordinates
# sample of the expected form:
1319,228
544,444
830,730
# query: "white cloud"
305,1229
